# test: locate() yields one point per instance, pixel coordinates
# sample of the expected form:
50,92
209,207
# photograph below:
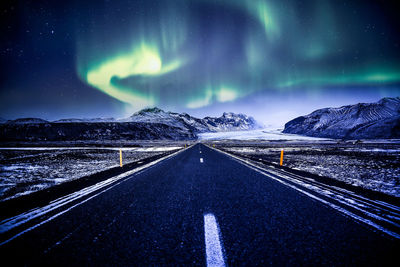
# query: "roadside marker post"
281,162
120,157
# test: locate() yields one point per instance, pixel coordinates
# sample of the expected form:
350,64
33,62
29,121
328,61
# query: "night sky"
274,60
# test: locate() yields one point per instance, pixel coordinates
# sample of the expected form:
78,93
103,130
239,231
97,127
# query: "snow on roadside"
376,168
263,134
26,170
139,149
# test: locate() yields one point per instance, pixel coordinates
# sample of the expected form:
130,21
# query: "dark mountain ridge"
360,121
147,124
229,121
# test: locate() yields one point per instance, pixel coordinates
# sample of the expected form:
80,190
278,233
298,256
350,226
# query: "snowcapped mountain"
227,122
147,124
360,121
230,121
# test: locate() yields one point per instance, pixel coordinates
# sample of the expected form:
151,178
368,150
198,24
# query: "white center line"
214,253
201,160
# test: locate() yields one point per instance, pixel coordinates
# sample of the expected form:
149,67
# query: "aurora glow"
197,56
254,45
142,61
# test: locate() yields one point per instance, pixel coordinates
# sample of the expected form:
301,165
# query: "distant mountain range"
227,122
361,121
147,124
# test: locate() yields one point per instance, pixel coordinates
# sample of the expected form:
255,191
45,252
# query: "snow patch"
261,134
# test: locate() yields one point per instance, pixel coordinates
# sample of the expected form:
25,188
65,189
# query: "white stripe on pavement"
18,220
201,160
214,253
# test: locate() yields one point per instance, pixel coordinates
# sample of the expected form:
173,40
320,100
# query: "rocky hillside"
227,122
360,121
147,124
230,121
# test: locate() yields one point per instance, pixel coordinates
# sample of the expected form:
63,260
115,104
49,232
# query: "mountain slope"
27,121
227,122
85,120
363,120
83,131
147,124
230,121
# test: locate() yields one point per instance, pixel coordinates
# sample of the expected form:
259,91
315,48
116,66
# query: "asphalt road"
196,208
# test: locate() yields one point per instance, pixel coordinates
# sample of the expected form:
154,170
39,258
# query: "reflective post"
120,157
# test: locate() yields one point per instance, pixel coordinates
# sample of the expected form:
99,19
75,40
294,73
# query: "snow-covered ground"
371,166
261,134
24,170
137,149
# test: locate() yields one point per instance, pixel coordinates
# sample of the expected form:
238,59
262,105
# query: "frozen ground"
27,169
370,165
263,134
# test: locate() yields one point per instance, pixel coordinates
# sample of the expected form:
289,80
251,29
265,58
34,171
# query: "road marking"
201,160
343,210
25,217
200,152
214,253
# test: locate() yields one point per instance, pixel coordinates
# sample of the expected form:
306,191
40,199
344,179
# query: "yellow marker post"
281,157
120,157
213,145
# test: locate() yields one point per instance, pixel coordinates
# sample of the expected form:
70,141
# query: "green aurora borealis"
272,59
195,53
